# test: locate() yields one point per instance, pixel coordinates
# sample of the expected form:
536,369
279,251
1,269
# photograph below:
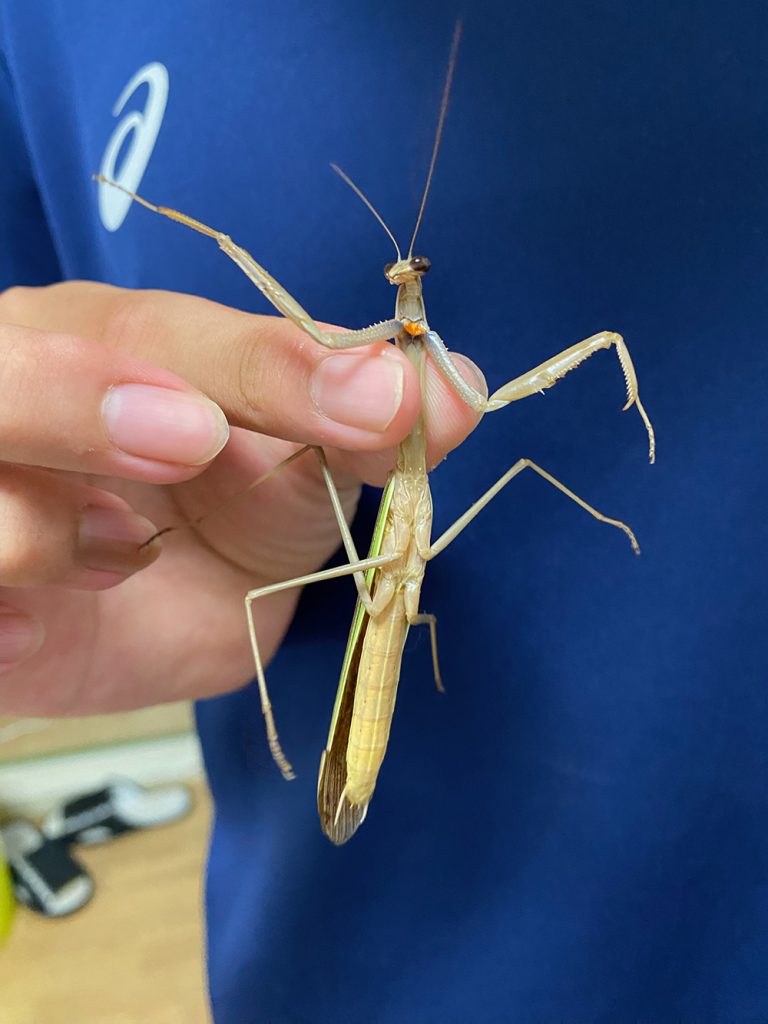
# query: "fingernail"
363,391
20,636
164,425
111,540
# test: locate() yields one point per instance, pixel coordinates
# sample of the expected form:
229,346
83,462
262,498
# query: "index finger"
266,374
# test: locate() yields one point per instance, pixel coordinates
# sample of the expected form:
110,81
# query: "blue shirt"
575,833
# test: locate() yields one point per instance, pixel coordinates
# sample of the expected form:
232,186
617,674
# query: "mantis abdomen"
375,695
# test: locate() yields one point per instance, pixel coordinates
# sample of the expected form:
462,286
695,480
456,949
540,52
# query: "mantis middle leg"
464,520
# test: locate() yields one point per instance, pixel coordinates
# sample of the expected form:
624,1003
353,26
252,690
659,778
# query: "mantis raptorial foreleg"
543,376
272,289
463,521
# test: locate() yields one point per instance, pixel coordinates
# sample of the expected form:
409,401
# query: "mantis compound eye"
420,264
387,269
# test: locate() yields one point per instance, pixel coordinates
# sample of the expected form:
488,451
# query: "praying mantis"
389,579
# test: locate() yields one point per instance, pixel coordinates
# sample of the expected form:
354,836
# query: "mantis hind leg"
417,618
273,588
428,619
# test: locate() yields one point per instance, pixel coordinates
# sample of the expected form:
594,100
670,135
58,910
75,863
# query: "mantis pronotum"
389,580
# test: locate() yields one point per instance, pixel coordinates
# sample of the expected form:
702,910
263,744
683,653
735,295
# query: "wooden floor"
134,955
39,737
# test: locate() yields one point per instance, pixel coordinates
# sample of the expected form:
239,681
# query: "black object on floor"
46,877
123,806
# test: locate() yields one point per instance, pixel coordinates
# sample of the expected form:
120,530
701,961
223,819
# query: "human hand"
99,408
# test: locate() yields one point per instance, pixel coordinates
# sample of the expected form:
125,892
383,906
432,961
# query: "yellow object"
7,902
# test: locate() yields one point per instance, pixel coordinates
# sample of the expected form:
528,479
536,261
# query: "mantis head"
407,270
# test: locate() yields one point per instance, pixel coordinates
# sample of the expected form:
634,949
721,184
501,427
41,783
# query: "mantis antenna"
361,195
438,136
439,133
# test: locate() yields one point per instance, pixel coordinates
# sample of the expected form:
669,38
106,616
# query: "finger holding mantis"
262,371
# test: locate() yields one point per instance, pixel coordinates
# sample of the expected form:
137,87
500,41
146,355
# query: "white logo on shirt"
144,126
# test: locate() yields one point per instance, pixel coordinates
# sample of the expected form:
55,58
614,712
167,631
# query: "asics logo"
142,127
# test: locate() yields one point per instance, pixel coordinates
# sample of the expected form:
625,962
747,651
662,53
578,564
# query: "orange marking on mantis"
414,329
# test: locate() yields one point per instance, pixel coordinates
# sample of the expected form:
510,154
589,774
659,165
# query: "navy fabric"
575,833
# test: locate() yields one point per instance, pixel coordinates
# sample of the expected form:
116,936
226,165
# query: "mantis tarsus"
389,580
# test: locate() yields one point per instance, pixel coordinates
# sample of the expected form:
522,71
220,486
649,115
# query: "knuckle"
28,306
17,562
265,370
248,382
33,543
14,377
13,302
20,555
132,318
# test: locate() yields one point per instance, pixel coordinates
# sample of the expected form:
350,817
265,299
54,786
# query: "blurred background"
134,951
